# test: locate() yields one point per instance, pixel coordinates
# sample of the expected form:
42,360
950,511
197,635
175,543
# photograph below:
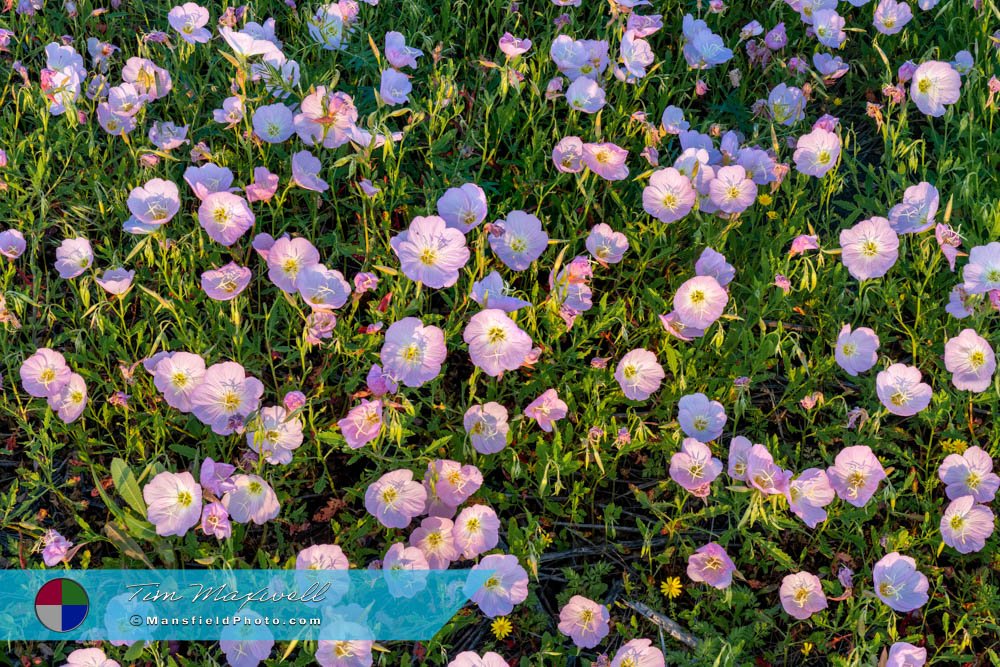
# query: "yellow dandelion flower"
807,648
765,199
501,627
671,587
954,446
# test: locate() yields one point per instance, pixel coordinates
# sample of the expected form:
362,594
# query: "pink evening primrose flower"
694,467
607,160
322,288
90,657
70,401
802,595
362,424
226,283
430,252
225,217
739,452
901,391
74,256
436,540
513,47
817,152
56,548
966,525
982,273
856,474
12,243
869,248
173,503
286,258
496,343
903,654
568,155
470,659
326,118
605,244
273,123
711,564
487,427
208,178
395,87
713,263
700,301
669,196
949,241
916,212
493,292
891,16
154,203
521,242
808,494
971,361
216,477
584,621
177,376
970,474
398,560
899,584
701,418
252,500
585,95
395,499
547,409
412,352
305,172
639,374
116,281
476,530
215,521
275,435
856,351
398,53
764,475
935,86
225,397
189,21
463,208
44,373
506,587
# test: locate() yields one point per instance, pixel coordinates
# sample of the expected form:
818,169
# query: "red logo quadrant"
61,605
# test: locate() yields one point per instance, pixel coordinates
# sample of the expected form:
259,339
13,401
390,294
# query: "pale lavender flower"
713,263
857,350
673,121
808,494
764,475
167,136
273,123
547,409
286,259
305,172
435,538
585,95
584,621
493,292
430,252
227,282
970,360
275,435
568,155
869,249
225,217
899,584
669,196
173,503
69,402
982,273
916,213
607,160
711,564
395,499
513,47
253,500
506,587
395,87
215,521
700,301
476,530
739,452
605,244
856,474
639,374
830,67
225,397
829,28
903,654
216,477
970,474
522,242
787,104
12,243
802,595
817,152
362,424
966,525
56,548
948,241
496,343
322,288
463,208
398,53
487,427
231,112
413,353
326,118
891,16
116,281
935,86
694,467
901,391
189,21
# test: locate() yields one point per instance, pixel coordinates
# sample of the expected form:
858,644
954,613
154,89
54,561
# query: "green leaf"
127,487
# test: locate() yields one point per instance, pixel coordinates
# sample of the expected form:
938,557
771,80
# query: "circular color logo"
61,605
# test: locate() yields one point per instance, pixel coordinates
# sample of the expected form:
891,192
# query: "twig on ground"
661,621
